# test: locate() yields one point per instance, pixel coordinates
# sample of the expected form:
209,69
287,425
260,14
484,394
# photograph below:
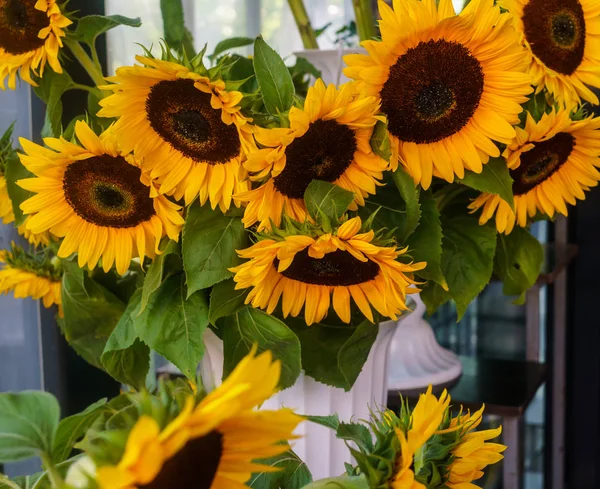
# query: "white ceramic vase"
329,62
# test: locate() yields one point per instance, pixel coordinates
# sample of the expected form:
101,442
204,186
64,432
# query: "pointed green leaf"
494,178
357,433
324,199
15,171
51,88
231,43
91,26
410,195
209,244
291,473
225,300
154,275
177,34
332,422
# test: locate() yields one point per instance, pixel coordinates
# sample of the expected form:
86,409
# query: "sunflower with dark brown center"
96,197
329,139
328,268
188,129
564,38
553,162
210,445
450,85
31,33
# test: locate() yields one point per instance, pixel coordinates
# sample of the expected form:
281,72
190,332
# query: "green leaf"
15,171
177,34
326,200
274,79
292,473
231,43
357,433
126,358
467,257
332,422
305,67
225,300
425,243
495,178
51,88
380,141
28,423
210,241
434,296
518,262
249,327
410,195
341,482
91,26
72,429
155,273
174,326
334,355
91,313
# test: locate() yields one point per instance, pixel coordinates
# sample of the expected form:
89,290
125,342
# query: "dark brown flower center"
183,116
107,191
556,31
324,152
20,24
540,163
193,467
432,91
338,268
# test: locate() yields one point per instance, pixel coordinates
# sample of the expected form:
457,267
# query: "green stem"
88,64
79,86
7,482
55,478
307,33
365,19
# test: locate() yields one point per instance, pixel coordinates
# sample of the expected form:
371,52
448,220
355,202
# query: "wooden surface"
506,387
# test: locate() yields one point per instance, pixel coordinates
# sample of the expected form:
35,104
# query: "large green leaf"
15,171
155,273
518,262
249,327
72,429
274,79
91,313
210,241
494,178
91,26
326,200
434,296
126,358
51,88
177,34
467,257
334,355
410,195
291,473
28,423
425,243
231,43
174,326
225,300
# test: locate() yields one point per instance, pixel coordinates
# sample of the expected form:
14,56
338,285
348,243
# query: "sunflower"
97,198
210,445
31,33
188,130
6,210
30,276
472,454
329,139
552,162
564,38
42,239
450,85
306,270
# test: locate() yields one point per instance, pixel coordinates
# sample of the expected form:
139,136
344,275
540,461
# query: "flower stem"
55,478
88,64
7,482
365,19
307,33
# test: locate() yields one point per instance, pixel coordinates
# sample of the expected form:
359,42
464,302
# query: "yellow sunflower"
473,454
31,33
552,162
307,270
187,130
6,210
210,445
42,239
96,197
329,139
564,38
450,85
29,276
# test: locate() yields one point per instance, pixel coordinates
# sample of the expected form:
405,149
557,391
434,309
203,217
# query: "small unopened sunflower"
329,139
187,130
450,85
553,163
564,38
96,197
320,269
31,33
212,444
30,276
